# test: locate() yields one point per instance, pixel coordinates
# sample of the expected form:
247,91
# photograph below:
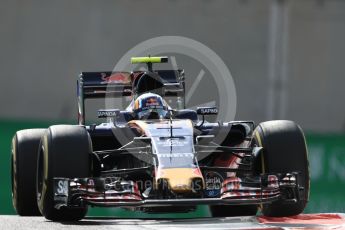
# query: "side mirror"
105,113
207,111
110,114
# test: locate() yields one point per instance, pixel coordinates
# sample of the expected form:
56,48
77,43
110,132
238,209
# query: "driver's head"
150,106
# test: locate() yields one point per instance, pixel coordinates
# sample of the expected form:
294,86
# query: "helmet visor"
153,113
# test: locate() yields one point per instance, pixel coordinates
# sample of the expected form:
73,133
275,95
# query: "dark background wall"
45,44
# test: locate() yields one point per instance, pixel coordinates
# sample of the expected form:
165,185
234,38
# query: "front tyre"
64,152
284,151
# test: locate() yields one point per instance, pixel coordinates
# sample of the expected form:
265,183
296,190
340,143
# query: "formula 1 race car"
155,158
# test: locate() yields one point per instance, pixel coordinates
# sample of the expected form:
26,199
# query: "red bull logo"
117,78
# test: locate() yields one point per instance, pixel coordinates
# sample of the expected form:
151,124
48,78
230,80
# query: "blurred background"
287,58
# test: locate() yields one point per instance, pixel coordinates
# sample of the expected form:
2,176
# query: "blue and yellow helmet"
150,106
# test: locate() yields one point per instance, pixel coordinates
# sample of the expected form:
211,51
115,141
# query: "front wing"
116,192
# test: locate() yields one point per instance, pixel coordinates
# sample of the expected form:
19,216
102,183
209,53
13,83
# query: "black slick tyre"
64,152
23,171
284,150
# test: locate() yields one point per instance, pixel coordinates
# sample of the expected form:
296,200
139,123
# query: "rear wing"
103,84
119,84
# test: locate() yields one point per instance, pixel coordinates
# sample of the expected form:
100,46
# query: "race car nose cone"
181,180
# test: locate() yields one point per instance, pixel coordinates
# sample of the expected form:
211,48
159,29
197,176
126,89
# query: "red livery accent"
115,78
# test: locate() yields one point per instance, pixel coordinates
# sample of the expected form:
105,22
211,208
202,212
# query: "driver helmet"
150,106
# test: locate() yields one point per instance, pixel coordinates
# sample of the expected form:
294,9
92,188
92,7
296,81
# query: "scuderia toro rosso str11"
157,157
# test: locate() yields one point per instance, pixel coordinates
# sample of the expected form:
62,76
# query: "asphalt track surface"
16,222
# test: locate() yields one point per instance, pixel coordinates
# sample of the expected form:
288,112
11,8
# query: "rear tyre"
65,151
284,150
23,171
